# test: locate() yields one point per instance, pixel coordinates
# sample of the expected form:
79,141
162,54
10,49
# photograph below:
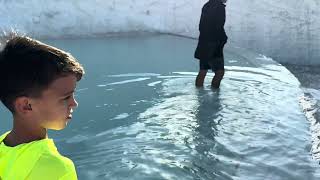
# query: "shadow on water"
309,76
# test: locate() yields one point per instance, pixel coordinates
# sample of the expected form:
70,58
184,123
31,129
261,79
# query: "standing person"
211,42
37,85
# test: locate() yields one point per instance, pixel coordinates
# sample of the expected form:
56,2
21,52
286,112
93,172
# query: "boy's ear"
22,105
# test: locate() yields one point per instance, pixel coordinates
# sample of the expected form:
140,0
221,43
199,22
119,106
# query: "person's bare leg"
200,78
217,79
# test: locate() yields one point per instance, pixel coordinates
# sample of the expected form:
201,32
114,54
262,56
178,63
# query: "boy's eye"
67,97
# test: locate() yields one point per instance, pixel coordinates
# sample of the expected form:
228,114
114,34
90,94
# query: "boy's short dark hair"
28,66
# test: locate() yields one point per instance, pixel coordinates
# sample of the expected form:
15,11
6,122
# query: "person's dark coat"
211,27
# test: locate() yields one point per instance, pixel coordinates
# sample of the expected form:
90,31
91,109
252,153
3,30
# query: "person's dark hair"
28,66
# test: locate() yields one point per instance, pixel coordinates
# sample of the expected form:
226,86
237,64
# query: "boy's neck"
22,134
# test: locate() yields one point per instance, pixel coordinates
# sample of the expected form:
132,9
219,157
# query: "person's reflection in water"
208,116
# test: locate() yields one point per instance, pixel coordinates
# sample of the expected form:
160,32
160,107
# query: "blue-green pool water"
141,117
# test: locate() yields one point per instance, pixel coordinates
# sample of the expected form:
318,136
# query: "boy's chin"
58,127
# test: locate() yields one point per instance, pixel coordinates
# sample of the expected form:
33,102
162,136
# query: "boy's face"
53,110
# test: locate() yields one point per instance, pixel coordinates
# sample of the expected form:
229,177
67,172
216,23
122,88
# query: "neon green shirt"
34,160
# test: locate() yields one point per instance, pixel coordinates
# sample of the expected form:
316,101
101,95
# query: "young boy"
37,84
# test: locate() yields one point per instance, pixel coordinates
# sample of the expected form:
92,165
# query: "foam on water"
121,116
154,83
129,81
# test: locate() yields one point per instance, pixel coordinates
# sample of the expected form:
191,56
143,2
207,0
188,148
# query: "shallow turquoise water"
140,116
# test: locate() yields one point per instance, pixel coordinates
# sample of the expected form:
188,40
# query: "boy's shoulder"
52,164
54,158
35,160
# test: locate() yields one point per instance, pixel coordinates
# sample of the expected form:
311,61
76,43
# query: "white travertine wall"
286,30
